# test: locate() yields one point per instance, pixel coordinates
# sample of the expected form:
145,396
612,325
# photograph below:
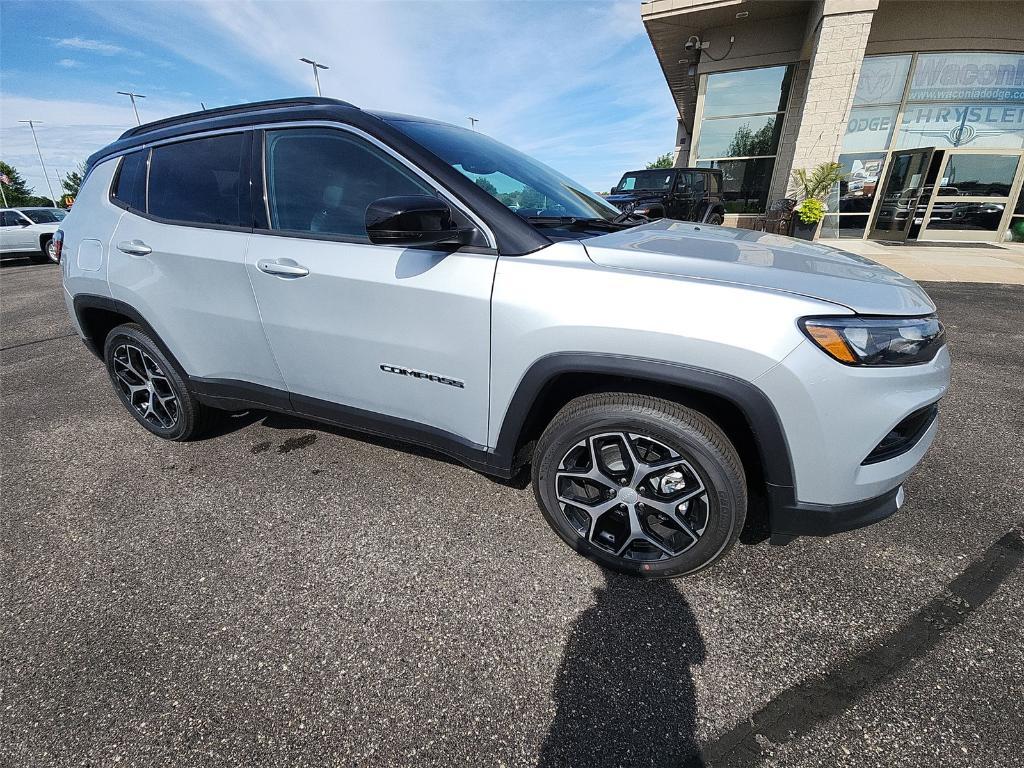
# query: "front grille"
904,435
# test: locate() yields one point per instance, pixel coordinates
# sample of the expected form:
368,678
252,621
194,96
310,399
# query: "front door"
972,200
901,193
372,329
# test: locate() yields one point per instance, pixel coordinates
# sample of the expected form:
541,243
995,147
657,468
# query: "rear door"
383,330
178,255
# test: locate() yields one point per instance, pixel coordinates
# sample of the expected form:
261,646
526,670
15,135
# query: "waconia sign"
968,77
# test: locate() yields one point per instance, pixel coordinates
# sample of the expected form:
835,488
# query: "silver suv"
405,277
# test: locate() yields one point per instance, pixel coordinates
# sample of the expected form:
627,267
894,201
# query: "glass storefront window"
869,128
949,214
833,226
861,175
882,80
978,176
739,136
744,182
1016,231
968,77
997,126
747,92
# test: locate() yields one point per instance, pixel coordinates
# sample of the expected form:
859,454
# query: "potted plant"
812,189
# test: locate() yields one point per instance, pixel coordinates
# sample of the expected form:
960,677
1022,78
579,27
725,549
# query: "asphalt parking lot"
285,593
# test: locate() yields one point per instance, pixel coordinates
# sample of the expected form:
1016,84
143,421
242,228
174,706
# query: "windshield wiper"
576,221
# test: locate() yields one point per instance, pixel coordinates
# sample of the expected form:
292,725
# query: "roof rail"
255,106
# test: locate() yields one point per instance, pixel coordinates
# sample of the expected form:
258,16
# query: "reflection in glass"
882,79
739,136
744,183
978,175
856,192
976,216
978,126
900,196
1015,234
747,92
844,226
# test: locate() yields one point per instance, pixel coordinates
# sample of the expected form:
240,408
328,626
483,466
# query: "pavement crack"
800,708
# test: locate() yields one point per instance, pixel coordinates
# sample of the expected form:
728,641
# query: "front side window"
130,186
321,180
526,186
198,181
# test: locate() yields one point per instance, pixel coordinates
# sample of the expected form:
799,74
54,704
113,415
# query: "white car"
30,230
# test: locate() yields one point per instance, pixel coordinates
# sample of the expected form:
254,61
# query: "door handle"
134,247
281,268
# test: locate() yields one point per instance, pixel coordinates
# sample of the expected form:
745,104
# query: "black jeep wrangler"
687,194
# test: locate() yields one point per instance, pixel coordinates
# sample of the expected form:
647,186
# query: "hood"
761,260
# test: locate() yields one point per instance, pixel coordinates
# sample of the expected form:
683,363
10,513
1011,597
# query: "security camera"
693,44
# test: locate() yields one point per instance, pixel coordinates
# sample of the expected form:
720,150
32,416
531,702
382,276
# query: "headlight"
879,341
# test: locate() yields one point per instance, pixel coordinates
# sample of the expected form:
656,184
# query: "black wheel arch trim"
755,406
86,301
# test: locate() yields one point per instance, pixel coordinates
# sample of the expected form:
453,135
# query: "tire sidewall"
134,335
726,497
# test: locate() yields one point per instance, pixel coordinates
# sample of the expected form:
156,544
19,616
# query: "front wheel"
640,485
50,249
715,219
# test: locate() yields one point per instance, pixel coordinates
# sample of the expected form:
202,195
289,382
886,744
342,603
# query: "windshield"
525,185
658,180
44,215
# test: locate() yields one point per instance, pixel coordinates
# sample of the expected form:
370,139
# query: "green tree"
17,191
72,181
662,161
486,186
749,143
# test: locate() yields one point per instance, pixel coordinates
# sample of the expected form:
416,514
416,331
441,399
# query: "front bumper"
789,520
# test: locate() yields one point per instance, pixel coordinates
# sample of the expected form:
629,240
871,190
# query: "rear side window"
199,181
10,219
130,187
321,180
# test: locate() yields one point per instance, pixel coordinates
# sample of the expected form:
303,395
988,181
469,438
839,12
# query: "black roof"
308,108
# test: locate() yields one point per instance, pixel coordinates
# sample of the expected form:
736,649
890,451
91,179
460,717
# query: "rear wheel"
150,386
640,485
50,249
715,219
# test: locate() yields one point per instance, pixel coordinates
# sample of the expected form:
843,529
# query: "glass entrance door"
972,196
901,192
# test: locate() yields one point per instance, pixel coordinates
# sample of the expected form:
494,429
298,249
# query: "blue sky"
574,84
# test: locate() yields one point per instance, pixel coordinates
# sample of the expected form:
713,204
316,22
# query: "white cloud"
93,46
69,63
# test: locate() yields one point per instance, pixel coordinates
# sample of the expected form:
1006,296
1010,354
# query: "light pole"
32,125
472,122
133,97
316,75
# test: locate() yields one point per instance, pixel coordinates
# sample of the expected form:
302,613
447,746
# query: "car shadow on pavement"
624,691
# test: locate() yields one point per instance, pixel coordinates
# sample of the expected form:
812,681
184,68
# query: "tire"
49,248
715,219
151,387
686,493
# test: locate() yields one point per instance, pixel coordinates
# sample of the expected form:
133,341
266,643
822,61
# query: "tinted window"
10,219
979,175
692,183
130,188
747,91
198,181
43,215
322,180
655,180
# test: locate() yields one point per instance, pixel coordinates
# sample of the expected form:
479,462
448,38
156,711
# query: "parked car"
30,230
309,257
684,194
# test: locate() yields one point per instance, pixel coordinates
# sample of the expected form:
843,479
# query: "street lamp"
316,75
32,125
472,122
133,97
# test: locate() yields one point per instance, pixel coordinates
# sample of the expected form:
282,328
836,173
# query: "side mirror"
413,220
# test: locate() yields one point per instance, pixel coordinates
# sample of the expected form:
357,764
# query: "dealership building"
922,103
